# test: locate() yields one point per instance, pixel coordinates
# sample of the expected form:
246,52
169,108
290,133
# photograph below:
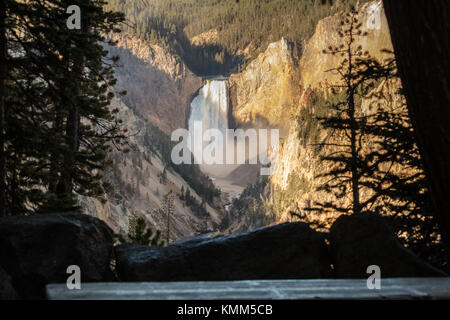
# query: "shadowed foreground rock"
358,241
286,251
37,250
7,291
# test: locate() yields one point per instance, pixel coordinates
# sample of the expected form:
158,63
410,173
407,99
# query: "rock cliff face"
277,86
314,64
159,86
265,92
298,164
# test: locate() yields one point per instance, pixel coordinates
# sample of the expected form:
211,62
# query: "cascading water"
210,109
211,106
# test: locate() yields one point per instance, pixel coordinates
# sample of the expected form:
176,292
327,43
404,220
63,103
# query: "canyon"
164,95
209,149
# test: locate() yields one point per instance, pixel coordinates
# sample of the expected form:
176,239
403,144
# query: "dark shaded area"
56,128
7,291
361,240
421,39
286,251
37,250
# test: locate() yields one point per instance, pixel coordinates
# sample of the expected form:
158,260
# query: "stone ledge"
336,289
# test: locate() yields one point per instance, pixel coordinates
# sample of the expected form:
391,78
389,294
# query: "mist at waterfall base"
210,109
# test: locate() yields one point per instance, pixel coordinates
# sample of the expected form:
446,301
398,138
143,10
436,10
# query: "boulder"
7,291
285,251
358,241
37,250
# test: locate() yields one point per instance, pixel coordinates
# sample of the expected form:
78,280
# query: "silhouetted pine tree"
3,75
374,150
394,173
89,126
56,91
346,159
28,99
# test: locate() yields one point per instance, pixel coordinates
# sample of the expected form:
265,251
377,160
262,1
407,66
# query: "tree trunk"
353,125
420,32
73,123
72,132
354,157
55,164
3,74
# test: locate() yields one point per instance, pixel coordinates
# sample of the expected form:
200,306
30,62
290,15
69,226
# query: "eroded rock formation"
159,86
263,95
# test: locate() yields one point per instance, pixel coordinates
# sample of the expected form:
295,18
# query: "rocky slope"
268,92
209,37
137,188
159,86
314,64
295,179
273,90
265,92
159,91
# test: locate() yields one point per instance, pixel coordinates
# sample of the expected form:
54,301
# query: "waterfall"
210,110
210,107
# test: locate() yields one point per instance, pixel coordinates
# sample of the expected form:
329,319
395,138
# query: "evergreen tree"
164,176
249,24
346,158
167,209
182,193
3,75
28,98
397,179
55,93
90,126
139,233
375,150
